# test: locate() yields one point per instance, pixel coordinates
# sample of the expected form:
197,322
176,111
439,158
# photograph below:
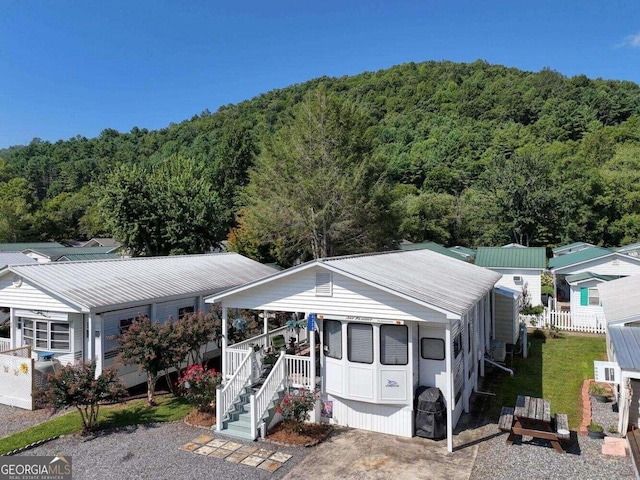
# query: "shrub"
77,386
596,427
529,310
295,407
538,334
597,389
199,386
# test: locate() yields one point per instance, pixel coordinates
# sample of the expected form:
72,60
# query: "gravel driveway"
153,452
16,419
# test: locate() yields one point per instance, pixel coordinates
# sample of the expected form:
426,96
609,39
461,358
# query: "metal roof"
583,276
14,258
627,248
72,257
55,253
571,246
423,275
580,256
19,247
433,246
620,299
626,345
464,251
524,257
104,242
102,283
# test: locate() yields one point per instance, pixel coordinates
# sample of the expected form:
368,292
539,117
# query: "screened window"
45,335
125,323
185,311
333,339
394,345
360,343
432,348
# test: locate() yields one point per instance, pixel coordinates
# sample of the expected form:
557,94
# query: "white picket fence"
568,321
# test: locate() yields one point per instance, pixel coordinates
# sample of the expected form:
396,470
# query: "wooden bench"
562,427
506,419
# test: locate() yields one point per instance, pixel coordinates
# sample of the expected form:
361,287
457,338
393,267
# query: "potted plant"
595,430
599,392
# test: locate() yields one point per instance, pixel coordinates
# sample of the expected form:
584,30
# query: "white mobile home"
72,310
387,324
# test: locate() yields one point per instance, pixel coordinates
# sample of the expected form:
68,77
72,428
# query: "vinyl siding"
506,319
28,296
111,326
165,310
625,266
350,298
532,280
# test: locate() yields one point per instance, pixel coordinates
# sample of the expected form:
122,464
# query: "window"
394,344
333,339
185,311
457,345
432,348
45,335
360,343
594,297
125,323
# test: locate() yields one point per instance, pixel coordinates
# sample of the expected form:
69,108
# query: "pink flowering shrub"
199,386
295,407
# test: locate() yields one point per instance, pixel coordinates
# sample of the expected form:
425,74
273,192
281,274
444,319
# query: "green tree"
17,206
317,189
168,208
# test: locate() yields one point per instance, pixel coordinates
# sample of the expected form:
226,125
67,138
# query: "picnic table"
532,417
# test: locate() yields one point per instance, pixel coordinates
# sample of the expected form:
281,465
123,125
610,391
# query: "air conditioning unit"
517,279
498,350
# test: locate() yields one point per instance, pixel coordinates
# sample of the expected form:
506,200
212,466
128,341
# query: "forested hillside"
466,154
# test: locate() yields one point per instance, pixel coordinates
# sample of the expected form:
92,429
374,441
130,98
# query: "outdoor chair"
278,342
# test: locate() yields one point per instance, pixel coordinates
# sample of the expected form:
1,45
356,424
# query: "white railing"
5,344
235,353
259,402
226,395
568,321
299,372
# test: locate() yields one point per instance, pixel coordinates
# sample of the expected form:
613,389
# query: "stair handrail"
259,402
229,391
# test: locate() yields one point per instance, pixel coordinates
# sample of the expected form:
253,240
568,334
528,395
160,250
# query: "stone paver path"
234,452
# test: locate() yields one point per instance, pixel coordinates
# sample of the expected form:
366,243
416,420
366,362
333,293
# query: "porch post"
14,330
482,317
312,353
91,340
623,404
265,322
451,398
224,343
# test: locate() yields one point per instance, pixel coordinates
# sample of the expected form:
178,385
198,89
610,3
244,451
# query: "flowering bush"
199,386
295,407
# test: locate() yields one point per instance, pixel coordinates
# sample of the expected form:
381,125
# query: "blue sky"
77,67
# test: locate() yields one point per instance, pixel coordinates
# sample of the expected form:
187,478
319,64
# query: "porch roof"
92,285
420,276
626,345
620,299
580,256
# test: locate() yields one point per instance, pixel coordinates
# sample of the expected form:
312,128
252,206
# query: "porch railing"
5,344
299,372
226,395
259,402
568,321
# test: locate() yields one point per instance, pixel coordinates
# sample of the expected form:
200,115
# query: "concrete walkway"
358,454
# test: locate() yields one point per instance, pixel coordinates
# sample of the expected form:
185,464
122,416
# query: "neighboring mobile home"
388,323
73,309
622,311
521,268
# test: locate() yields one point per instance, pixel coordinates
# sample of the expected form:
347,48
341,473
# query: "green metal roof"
578,257
433,246
581,277
463,251
55,253
72,257
499,257
19,247
571,246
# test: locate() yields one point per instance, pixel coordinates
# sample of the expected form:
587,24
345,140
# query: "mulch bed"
311,434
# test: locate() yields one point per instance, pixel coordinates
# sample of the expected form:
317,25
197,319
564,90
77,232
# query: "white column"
224,343
448,351
312,352
91,340
265,322
98,343
14,331
481,333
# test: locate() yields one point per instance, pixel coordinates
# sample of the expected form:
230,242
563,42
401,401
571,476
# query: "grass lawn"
134,412
555,369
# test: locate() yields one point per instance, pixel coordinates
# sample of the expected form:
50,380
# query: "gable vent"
324,287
